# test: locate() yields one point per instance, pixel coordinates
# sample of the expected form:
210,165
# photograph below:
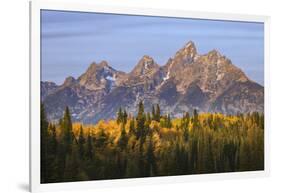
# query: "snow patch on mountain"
168,73
110,78
167,76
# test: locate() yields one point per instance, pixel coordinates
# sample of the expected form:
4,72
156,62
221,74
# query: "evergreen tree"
153,113
185,121
141,122
165,121
151,169
132,126
67,131
53,140
102,139
81,142
195,115
169,122
229,152
73,169
89,154
119,116
125,117
123,139
43,146
194,155
196,123
196,144
185,134
181,160
141,132
52,153
148,117
184,126
157,113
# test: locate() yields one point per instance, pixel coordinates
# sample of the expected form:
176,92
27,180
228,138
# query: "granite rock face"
208,82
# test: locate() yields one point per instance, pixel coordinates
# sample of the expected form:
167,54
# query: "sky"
71,41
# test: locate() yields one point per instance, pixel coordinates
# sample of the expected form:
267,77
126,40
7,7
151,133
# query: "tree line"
150,144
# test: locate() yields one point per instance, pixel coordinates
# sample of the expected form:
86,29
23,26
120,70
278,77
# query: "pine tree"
148,117
67,130
194,155
73,169
185,120
196,123
153,113
141,122
125,117
43,147
185,134
141,132
89,154
132,129
195,115
53,140
169,122
184,126
158,113
150,159
81,142
181,160
119,116
123,139
102,139
52,155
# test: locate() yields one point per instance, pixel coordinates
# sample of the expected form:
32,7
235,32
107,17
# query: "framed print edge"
267,90
88,6
34,96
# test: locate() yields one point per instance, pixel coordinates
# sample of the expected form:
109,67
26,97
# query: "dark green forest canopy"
150,144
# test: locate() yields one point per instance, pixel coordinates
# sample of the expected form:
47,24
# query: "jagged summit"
146,60
99,75
189,50
208,82
185,55
190,46
95,65
145,65
214,55
214,52
146,57
69,81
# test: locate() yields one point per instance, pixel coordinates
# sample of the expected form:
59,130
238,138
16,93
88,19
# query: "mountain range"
189,80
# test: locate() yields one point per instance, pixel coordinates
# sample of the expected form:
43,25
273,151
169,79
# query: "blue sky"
71,41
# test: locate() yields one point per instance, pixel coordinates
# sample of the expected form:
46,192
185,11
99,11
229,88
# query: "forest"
150,144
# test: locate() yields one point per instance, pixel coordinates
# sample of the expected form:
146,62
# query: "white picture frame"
88,6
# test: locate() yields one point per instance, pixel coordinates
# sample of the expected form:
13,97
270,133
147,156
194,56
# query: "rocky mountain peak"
147,58
208,70
97,66
103,64
186,55
97,75
214,55
69,81
188,51
147,62
145,65
190,46
208,82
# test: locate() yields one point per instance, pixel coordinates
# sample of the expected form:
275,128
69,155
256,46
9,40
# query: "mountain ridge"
188,80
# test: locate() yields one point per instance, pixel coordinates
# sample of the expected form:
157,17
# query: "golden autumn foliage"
147,146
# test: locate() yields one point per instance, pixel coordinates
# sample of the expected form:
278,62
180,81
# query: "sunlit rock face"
207,82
